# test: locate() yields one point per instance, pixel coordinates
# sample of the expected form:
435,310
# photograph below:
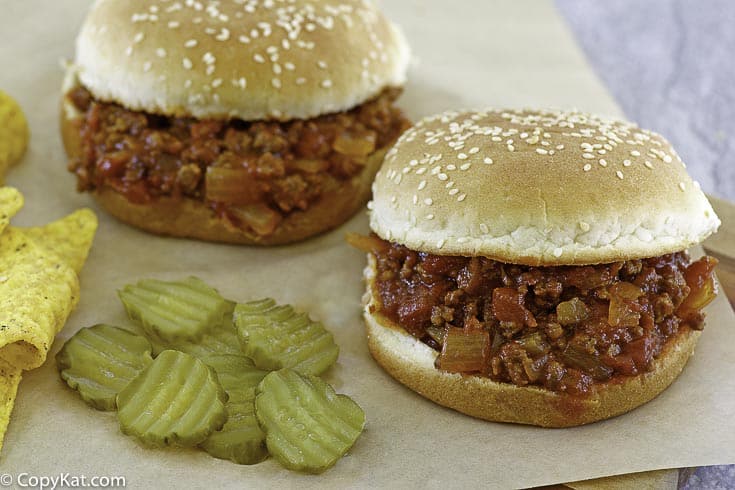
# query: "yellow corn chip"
9,380
69,238
38,290
11,200
13,133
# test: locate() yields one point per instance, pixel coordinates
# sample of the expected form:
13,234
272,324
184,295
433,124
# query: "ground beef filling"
562,328
252,174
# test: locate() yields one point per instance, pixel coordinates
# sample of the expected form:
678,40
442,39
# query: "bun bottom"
190,218
411,362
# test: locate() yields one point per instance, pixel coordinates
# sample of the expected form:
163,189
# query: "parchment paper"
470,53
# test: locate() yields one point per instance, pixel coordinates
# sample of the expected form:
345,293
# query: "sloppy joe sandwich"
531,267
243,122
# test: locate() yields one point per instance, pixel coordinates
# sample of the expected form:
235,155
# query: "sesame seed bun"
411,362
246,60
537,188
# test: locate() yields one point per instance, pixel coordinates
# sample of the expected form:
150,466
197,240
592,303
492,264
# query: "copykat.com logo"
62,480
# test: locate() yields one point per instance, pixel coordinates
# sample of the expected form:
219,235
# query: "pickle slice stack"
218,340
241,439
308,426
177,400
100,361
276,337
174,311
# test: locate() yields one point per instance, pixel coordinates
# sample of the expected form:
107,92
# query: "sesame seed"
461,197
321,64
244,39
603,162
635,153
558,251
488,161
584,226
442,176
587,167
541,151
216,82
429,216
648,164
421,171
587,155
484,228
258,58
173,24
559,147
626,163
619,174
300,81
511,148
465,166
326,83
289,66
208,58
453,192
191,43
667,158
223,35
422,184
138,37
682,186
474,150
415,199
462,156
428,201
440,243
161,53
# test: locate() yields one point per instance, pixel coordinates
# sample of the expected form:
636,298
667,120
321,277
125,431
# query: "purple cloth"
671,67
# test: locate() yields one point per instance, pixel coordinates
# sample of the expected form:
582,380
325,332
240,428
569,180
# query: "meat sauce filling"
563,328
252,174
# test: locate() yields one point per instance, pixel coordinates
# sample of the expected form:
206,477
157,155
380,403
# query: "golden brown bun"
190,218
412,363
538,188
297,59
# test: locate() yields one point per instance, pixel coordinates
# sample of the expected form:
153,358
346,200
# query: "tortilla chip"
9,380
14,133
70,238
38,291
11,200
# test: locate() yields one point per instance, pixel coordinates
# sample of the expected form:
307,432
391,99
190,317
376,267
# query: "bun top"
247,59
537,188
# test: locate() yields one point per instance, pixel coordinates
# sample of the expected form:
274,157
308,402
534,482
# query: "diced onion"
355,144
231,186
262,219
701,281
624,309
370,243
